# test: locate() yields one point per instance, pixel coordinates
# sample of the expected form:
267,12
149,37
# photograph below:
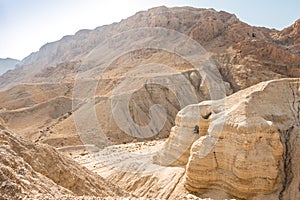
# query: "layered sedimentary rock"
28,170
233,43
247,145
176,150
243,55
128,89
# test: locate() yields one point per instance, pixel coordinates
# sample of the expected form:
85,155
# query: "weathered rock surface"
130,166
244,56
30,170
290,37
126,82
35,111
247,145
233,43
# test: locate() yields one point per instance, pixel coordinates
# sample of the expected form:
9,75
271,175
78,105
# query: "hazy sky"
28,24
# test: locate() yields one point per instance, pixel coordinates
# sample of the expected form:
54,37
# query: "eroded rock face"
176,150
291,159
248,144
244,56
28,169
233,43
124,96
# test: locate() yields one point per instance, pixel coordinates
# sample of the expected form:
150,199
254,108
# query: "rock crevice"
287,160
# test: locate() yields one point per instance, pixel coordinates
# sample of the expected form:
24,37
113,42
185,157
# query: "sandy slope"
31,169
130,166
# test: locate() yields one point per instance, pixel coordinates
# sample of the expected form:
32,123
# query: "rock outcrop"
128,89
124,62
247,145
289,37
127,81
28,170
233,43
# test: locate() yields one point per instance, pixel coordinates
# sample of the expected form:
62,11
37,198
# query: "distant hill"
7,64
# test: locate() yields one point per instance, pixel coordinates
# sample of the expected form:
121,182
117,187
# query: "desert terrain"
111,113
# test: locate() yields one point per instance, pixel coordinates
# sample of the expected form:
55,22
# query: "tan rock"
248,145
231,41
244,56
28,169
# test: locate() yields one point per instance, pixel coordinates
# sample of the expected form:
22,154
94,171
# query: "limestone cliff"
247,145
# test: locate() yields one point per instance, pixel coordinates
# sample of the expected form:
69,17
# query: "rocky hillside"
7,64
247,146
29,170
150,58
119,89
240,49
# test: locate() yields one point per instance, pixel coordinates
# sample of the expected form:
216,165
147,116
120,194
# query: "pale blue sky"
28,24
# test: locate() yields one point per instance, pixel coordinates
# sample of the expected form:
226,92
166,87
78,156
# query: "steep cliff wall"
247,145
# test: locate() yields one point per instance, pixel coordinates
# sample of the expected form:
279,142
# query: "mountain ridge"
110,97
240,56
216,31
7,64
